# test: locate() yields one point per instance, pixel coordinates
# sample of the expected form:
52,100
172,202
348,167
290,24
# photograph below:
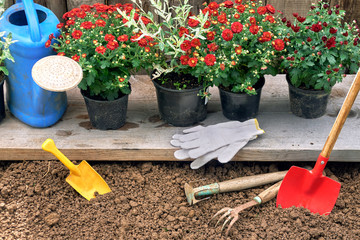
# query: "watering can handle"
32,19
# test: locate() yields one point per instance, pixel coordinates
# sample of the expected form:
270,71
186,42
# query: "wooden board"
146,137
288,7
76,3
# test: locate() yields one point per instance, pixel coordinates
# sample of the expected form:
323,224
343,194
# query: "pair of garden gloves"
221,141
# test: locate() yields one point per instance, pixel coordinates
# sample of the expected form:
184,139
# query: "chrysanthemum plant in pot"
98,38
180,69
246,40
321,49
4,54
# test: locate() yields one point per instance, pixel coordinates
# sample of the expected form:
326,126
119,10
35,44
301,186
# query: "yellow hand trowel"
83,178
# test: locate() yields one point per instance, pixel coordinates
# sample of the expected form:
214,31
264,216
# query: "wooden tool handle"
242,183
341,118
270,193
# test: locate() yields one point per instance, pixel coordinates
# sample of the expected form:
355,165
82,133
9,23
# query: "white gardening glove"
204,140
223,154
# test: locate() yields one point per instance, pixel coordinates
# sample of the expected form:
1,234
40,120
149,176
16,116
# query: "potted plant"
321,48
4,54
246,39
181,68
98,38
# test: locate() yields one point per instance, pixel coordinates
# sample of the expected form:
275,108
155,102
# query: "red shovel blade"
304,188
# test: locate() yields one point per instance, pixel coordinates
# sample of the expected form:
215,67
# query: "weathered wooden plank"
57,7
288,7
352,8
76,3
8,3
146,138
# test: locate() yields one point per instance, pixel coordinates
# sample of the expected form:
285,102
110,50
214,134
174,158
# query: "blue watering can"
30,25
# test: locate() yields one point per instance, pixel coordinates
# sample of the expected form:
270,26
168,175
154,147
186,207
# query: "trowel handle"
339,123
32,19
49,146
241,183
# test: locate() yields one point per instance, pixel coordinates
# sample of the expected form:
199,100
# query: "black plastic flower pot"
307,103
241,106
106,115
180,108
2,103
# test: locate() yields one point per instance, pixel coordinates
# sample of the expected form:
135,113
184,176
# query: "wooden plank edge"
266,155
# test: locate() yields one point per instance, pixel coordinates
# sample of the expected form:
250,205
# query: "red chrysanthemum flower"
236,27
184,59
295,28
301,19
61,54
100,23
222,18
240,8
192,62
85,7
330,43
210,60
228,4
193,23
278,44
109,37
262,10
60,25
123,38
270,8
212,47
195,42
266,36
333,30
112,45
210,35
142,42
227,35
252,20
182,31
207,24
186,45
145,20
48,43
222,66
100,8
270,18
70,22
81,14
213,5
238,50
100,49
254,29
76,34
316,27
75,57
86,25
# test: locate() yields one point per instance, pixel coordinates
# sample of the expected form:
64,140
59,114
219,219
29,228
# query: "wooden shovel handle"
341,118
242,183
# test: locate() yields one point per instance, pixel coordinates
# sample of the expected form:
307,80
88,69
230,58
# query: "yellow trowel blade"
83,178
89,182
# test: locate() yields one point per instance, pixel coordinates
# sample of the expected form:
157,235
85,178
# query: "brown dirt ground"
148,202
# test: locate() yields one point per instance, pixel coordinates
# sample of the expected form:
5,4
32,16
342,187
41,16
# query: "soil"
176,81
148,202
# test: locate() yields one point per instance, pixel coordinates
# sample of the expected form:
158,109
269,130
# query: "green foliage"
5,42
321,47
98,38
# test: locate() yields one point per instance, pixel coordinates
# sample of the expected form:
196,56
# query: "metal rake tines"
231,215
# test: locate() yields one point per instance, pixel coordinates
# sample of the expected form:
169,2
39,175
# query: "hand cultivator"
232,214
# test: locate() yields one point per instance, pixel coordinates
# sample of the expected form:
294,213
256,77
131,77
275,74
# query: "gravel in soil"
148,202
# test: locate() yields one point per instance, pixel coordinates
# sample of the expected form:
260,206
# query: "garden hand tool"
310,189
199,141
83,178
237,184
232,214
